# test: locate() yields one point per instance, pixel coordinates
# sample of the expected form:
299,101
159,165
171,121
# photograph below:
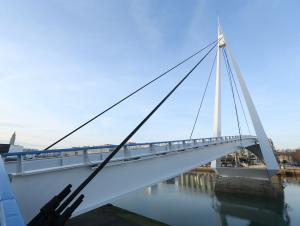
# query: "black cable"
238,94
131,94
203,95
115,151
233,96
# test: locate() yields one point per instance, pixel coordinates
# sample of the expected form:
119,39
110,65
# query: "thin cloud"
11,124
148,31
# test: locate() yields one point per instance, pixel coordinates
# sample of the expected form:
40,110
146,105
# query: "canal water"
197,198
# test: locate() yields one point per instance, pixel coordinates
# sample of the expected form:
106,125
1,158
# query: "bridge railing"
9,210
21,162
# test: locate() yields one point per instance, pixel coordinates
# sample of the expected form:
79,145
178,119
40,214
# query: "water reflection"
258,210
259,202
204,183
197,198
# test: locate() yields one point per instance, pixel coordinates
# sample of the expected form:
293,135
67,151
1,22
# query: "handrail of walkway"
37,152
10,214
39,161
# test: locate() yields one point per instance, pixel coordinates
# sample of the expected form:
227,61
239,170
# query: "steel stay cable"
203,95
115,151
131,94
233,96
240,100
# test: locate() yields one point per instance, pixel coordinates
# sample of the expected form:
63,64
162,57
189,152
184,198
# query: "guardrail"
22,162
41,152
10,214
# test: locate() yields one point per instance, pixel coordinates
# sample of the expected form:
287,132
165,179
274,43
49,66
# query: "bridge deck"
39,161
36,176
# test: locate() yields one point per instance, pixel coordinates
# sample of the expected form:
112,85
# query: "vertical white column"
264,144
217,107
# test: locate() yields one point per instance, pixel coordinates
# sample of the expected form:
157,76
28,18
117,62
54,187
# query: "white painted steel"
265,146
41,179
217,107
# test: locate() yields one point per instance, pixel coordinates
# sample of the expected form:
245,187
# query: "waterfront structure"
146,163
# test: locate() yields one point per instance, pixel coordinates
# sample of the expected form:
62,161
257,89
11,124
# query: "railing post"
127,153
152,148
195,142
20,164
61,160
86,160
170,145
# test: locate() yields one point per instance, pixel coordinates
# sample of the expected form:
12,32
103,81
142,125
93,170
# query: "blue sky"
61,62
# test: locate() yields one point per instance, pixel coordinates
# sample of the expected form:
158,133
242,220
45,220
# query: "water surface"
192,199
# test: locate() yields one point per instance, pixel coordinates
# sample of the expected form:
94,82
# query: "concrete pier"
249,186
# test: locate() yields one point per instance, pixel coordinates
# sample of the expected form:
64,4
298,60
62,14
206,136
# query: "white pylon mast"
264,144
217,108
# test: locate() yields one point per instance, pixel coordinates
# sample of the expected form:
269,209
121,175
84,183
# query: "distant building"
289,157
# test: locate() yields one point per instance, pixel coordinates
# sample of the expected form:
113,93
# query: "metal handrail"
109,146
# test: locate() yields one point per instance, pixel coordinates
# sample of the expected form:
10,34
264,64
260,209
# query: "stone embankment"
287,171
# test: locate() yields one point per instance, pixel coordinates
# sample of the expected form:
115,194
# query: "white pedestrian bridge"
29,179
36,176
